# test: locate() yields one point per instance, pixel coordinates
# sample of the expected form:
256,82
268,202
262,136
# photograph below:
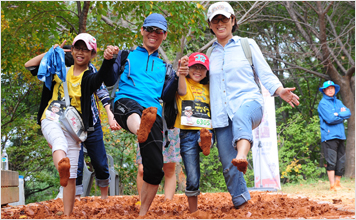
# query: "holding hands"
183,68
110,51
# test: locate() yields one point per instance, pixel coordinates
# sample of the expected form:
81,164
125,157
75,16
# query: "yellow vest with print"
74,90
195,92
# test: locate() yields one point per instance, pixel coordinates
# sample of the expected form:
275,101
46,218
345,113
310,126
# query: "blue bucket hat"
155,20
330,83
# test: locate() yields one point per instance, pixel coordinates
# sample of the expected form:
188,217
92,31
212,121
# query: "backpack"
247,51
170,112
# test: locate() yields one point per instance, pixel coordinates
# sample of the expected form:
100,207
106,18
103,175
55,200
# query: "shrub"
299,148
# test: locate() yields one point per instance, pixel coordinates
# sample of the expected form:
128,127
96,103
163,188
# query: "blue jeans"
97,153
189,150
245,119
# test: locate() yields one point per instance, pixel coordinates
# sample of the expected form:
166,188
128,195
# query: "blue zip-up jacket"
332,125
142,79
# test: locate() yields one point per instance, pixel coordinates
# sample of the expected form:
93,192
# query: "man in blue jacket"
332,113
137,108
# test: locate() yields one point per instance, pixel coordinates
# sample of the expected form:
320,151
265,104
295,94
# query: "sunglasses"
197,67
217,20
77,49
154,29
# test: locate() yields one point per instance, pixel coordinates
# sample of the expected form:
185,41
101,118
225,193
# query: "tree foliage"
305,43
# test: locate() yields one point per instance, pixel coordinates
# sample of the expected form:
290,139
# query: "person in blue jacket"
332,113
136,105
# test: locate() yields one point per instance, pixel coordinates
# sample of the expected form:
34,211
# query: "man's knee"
153,177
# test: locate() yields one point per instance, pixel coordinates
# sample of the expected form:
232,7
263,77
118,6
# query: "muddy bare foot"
241,164
63,170
205,141
147,120
338,185
333,188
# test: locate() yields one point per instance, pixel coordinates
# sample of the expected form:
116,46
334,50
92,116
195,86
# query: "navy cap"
155,20
330,83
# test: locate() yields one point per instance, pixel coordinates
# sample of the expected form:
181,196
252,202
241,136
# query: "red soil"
241,164
262,205
205,141
148,118
63,170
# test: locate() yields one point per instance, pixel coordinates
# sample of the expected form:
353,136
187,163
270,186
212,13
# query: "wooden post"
9,186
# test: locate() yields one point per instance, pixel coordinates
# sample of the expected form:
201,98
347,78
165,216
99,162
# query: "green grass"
317,187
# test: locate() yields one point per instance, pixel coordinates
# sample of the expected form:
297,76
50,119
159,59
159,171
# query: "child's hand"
184,60
65,50
113,124
183,68
110,51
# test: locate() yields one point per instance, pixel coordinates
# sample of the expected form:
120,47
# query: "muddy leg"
63,169
147,120
243,147
205,141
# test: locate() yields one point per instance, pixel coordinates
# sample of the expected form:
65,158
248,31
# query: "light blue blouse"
232,82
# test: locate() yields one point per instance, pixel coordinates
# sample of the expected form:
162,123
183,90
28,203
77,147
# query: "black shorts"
151,149
125,107
334,153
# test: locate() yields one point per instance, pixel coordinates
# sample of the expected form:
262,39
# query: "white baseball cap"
220,8
89,40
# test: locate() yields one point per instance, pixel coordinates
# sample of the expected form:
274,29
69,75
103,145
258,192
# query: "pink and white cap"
89,40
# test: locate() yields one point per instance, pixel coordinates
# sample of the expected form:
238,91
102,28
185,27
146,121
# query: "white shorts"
60,139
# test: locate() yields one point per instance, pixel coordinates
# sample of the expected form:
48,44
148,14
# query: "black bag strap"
65,88
123,58
247,50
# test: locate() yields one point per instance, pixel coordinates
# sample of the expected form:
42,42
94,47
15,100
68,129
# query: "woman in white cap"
235,98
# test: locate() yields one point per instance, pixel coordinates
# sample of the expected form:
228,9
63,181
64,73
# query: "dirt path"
343,198
211,206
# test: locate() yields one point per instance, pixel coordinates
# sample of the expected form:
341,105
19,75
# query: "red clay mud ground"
263,205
